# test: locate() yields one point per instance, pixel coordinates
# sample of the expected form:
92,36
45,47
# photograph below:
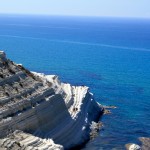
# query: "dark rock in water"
145,143
106,111
140,90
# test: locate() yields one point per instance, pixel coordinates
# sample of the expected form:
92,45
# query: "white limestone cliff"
43,107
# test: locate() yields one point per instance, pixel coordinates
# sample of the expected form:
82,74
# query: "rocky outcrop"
95,129
132,146
43,108
145,144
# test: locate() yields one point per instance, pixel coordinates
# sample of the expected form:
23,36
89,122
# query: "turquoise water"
110,55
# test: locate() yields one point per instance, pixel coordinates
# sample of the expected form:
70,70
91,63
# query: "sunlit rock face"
43,108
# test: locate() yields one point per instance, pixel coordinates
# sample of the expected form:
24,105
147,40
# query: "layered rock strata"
19,140
43,108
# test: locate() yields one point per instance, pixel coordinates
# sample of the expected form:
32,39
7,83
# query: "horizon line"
59,15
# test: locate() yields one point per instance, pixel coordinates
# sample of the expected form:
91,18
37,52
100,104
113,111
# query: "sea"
109,55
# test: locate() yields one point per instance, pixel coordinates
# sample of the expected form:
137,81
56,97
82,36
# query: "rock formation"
37,108
132,146
145,144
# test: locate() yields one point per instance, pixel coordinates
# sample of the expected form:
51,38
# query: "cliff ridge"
40,108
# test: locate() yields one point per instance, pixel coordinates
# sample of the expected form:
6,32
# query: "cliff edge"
37,110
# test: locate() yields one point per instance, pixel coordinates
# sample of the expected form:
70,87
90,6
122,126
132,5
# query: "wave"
79,43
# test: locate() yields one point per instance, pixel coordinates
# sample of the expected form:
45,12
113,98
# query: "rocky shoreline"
39,110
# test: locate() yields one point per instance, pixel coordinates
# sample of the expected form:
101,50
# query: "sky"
114,8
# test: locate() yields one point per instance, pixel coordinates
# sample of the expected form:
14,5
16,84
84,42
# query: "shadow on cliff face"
50,114
55,122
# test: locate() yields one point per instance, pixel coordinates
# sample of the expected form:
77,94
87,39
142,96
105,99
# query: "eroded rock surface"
43,107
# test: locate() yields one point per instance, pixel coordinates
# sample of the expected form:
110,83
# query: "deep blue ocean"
110,55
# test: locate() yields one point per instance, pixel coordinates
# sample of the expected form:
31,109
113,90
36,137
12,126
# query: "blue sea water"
110,55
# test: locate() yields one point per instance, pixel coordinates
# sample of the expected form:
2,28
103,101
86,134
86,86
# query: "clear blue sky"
117,8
